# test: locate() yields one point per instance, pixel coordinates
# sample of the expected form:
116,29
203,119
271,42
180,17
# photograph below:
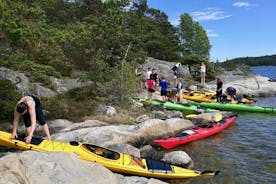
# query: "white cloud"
242,4
209,14
211,33
175,22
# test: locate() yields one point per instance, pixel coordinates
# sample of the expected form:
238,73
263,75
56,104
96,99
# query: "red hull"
196,133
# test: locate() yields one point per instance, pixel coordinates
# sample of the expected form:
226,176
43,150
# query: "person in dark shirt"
219,89
154,75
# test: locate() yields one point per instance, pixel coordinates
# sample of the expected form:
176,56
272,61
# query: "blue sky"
235,28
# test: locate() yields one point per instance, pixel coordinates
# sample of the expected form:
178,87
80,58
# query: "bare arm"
16,117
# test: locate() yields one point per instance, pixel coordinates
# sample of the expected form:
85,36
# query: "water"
267,71
245,153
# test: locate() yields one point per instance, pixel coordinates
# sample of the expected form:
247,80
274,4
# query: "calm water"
245,153
267,71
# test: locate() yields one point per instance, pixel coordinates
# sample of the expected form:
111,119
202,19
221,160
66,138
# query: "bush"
73,105
8,98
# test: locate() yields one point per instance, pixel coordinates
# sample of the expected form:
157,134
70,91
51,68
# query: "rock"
164,69
142,118
59,167
110,111
250,86
192,88
127,149
104,109
167,114
63,85
138,180
179,158
86,124
58,124
23,85
138,134
148,151
51,167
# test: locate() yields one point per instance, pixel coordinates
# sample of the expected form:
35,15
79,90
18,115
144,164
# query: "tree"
193,38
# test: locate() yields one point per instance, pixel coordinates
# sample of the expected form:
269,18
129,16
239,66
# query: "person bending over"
30,108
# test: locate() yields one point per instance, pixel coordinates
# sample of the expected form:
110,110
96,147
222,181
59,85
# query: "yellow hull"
210,97
117,162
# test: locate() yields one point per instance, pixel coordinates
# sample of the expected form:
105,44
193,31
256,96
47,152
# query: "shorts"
38,112
202,74
163,93
151,90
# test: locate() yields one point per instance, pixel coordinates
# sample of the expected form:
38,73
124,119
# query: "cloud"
211,33
243,4
174,22
209,14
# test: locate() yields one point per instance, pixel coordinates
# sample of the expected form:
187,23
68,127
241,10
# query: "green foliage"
256,61
8,99
72,105
229,65
102,41
194,40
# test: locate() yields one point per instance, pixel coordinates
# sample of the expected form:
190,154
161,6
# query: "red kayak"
196,133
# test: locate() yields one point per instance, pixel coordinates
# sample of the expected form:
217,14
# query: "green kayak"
234,107
176,106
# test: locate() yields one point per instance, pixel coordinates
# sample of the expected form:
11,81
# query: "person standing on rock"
155,77
163,85
202,73
219,89
151,87
30,108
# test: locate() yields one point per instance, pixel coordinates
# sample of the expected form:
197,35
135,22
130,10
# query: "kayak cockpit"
100,151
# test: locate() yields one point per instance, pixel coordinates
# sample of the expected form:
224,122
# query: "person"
179,90
175,70
154,76
163,85
151,87
30,108
148,73
219,89
202,73
231,92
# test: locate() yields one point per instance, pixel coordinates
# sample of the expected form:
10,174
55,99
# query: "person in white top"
149,72
202,73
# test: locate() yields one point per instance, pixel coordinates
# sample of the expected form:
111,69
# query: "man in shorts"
30,108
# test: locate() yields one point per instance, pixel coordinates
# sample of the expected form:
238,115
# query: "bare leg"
46,130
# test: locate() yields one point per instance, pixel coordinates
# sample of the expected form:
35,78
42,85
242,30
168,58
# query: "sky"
234,28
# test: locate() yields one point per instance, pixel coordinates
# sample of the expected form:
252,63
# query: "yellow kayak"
210,97
115,161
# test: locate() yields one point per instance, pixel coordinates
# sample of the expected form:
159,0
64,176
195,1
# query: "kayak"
113,160
211,97
235,107
196,133
176,106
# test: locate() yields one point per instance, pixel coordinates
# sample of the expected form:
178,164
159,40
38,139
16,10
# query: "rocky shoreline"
31,167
